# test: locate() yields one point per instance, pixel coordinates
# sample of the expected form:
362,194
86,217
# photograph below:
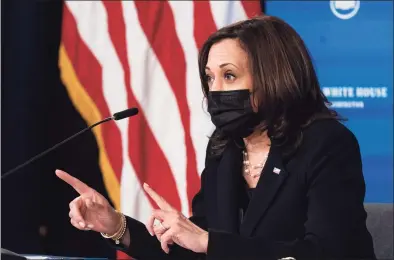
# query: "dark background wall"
36,113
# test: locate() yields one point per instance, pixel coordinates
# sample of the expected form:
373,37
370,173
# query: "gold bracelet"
120,233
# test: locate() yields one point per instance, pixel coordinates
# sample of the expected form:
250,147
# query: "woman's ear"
254,101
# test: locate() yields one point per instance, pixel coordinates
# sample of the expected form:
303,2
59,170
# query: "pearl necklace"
248,167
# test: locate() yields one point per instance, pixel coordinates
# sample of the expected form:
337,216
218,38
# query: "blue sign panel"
351,43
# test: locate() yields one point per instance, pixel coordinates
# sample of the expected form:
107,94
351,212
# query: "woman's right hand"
90,211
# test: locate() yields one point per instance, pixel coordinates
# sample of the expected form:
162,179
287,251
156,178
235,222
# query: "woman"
283,177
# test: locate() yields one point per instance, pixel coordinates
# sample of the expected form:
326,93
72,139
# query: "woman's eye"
208,78
229,76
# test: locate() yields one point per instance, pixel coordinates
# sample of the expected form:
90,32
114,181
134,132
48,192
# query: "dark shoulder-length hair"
285,84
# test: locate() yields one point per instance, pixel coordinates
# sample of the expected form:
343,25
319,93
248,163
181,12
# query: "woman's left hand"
175,227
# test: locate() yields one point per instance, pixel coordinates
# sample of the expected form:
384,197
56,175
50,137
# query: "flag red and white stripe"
120,54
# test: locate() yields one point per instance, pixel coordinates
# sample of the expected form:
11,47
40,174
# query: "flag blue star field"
351,43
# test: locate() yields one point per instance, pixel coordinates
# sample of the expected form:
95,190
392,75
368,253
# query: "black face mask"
232,113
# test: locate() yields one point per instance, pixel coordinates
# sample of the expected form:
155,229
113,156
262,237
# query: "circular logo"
344,9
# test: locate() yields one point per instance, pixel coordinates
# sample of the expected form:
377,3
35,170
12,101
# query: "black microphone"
125,113
117,116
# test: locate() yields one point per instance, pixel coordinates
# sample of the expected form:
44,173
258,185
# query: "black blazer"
312,209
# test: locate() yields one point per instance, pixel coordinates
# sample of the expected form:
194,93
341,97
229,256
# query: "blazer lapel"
270,181
228,184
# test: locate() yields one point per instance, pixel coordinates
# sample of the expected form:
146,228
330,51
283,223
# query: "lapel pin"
276,170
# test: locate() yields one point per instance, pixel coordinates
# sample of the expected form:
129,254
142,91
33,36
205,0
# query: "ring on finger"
156,222
161,225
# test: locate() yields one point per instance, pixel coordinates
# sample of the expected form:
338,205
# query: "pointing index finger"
78,185
160,201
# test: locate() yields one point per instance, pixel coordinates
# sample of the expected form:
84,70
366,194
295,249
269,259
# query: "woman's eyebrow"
223,65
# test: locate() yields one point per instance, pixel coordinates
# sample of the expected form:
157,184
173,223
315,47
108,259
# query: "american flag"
120,54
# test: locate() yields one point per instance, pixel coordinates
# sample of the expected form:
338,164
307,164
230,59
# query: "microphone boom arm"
54,147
